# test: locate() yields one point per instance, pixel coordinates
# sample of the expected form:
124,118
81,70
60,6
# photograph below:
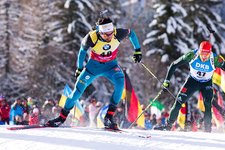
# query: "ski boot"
59,120
109,121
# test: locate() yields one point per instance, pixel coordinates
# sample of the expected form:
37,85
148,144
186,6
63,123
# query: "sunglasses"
204,54
107,34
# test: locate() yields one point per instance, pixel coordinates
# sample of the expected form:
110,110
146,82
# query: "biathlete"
202,63
104,43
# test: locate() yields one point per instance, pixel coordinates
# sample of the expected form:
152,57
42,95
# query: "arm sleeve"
123,33
81,57
86,43
180,61
134,40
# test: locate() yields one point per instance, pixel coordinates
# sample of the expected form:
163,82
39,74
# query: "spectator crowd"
27,111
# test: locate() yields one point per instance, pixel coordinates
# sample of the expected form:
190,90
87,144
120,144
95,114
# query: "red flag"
133,108
220,99
216,115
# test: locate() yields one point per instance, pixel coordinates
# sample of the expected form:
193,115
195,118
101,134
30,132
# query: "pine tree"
168,39
21,42
200,15
40,41
168,31
178,27
4,35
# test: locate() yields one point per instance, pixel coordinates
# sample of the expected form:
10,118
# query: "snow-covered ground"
81,138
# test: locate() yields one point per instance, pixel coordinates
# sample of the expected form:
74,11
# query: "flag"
181,119
133,107
219,78
101,116
216,114
66,92
200,104
220,99
77,110
156,108
217,117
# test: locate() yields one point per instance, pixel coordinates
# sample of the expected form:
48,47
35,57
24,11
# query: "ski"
144,136
127,132
26,127
114,130
35,127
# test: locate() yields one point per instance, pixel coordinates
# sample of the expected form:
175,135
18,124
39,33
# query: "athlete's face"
204,56
107,36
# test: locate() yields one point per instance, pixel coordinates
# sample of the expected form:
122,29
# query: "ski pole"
159,93
156,78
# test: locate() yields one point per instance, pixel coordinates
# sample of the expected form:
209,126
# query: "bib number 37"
201,74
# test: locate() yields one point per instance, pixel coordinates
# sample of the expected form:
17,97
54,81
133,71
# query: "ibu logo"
106,47
202,66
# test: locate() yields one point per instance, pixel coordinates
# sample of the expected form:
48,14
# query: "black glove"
77,73
166,85
223,66
137,56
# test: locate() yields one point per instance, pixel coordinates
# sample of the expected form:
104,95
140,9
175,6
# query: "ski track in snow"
84,138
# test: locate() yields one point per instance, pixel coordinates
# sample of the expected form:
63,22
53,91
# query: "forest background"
40,40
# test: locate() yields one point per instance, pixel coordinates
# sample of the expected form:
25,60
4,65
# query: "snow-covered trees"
169,33
200,15
179,26
40,41
168,37
4,35
22,33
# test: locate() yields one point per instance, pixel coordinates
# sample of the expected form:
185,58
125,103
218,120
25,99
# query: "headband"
106,27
